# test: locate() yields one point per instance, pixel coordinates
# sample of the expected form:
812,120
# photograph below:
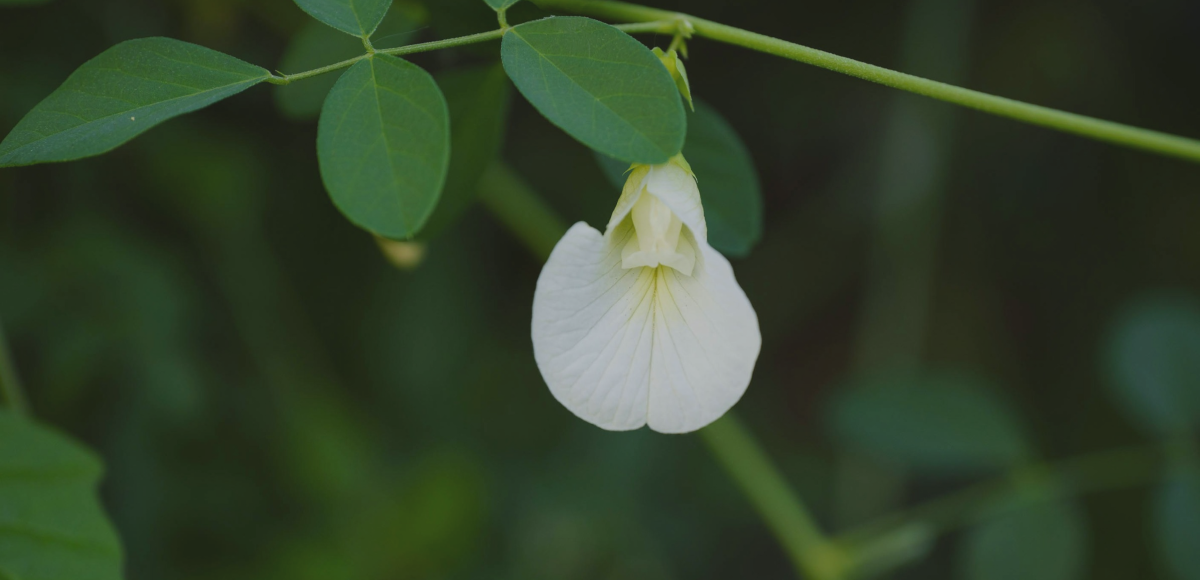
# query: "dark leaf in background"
384,144
1153,362
1032,539
120,94
599,85
354,17
1177,516
478,101
930,423
729,186
52,522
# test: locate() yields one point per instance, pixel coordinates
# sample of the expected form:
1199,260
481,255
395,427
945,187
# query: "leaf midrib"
387,144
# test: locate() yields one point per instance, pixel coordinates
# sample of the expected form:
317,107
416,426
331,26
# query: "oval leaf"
120,94
599,85
478,103
53,524
1178,522
729,186
384,144
933,423
1153,362
356,17
1041,540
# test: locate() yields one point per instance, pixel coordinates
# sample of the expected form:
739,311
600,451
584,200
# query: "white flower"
646,323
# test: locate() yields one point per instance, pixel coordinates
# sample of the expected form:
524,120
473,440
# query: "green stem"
794,527
448,43
399,51
522,211
661,27
1091,472
1093,128
288,79
10,384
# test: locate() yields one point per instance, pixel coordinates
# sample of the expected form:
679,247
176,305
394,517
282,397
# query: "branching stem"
398,51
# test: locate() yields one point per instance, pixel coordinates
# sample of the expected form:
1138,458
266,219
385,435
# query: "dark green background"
274,400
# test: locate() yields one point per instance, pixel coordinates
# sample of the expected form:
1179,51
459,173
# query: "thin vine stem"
1098,129
658,26
398,51
11,394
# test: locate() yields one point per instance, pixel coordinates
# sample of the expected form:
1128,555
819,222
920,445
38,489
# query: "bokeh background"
274,399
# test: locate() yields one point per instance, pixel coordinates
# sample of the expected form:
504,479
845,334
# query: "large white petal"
706,341
622,348
592,328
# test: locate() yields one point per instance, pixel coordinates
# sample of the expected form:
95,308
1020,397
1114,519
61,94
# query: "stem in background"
398,51
1098,471
524,213
514,203
11,393
1090,127
779,507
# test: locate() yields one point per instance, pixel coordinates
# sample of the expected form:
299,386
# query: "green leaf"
599,85
384,144
53,524
22,2
498,5
354,17
1177,516
1153,362
729,187
120,94
1037,540
478,103
932,423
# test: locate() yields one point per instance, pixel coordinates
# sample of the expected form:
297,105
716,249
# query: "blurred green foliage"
273,400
